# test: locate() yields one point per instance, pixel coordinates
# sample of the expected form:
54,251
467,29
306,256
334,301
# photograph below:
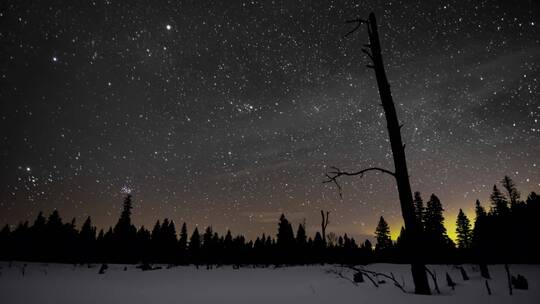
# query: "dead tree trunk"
324,224
373,51
484,270
400,163
508,277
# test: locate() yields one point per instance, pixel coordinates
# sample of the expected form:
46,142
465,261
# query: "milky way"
230,112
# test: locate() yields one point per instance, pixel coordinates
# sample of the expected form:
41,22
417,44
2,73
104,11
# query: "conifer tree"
207,238
144,243
301,238
156,231
382,234
479,239
434,220
182,242
499,204
463,231
227,242
511,189
124,234
195,241
124,223
318,242
419,209
88,232
285,236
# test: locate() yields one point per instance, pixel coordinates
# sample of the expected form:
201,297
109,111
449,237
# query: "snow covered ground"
59,283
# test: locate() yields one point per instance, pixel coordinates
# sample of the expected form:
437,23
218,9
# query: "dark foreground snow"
58,283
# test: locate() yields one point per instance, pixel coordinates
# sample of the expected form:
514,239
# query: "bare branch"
365,51
358,22
434,278
339,274
376,274
332,176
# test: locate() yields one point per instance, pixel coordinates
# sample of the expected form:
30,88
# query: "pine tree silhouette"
124,235
285,240
182,244
513,193
499,204
382,234
87,242
435,233
479,239
463,231
52,240
144,245
195,247
301,238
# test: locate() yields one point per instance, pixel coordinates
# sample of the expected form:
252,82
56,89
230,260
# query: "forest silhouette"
502,232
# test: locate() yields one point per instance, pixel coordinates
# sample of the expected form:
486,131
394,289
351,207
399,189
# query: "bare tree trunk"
484,271
324,224
398,150
508,277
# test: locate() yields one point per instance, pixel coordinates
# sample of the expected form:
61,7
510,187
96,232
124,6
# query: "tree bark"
398,150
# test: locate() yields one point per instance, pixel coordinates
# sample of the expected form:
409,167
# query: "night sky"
230,112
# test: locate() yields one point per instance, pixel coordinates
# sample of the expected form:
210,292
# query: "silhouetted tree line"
505,233
52,240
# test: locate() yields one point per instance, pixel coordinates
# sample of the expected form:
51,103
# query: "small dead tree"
324,224
400,174
488,288
450,282
463,273
509,278
484,271
434,278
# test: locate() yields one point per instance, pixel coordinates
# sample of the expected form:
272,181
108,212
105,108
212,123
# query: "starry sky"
230,112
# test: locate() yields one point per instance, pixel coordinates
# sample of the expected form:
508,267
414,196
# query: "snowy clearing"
61,283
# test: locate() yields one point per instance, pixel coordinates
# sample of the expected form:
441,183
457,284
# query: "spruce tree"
285,236
125,235
513,193
144,243
207,239
194,247
463,231
382,234
169,240
88,232
301,238
124,223
499,204
480,238
435,233
195,241
182,242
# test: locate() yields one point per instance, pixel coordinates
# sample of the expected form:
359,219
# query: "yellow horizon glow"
449,223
